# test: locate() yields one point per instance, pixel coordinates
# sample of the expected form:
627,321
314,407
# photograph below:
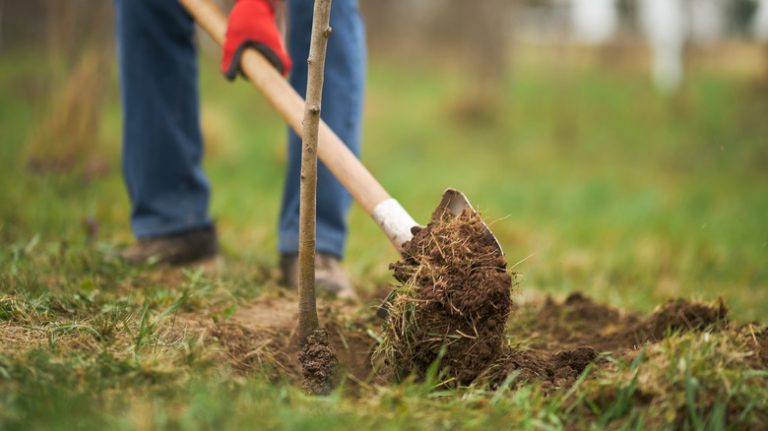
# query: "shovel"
393,219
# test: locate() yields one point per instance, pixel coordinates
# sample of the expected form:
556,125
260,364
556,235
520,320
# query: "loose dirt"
559,340
579,321
452,301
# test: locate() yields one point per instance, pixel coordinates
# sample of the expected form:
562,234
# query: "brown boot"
176,249
330,277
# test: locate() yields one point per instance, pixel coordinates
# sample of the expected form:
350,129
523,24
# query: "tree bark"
321,31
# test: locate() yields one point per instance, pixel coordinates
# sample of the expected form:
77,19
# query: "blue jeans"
162,142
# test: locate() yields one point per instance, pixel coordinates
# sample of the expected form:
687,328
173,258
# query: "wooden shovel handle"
331,150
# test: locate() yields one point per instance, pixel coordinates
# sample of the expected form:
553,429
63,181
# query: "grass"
590,180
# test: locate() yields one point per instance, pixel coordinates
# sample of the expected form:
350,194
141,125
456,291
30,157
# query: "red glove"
251,24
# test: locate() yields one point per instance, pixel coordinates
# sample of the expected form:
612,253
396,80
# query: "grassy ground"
590,180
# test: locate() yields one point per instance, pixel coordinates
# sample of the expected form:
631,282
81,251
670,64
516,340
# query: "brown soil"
318,364
566,337
553,370
580,321
453,300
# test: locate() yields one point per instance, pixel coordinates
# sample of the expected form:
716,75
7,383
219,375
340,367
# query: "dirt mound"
453,300
570,335
318,364
579,321
576,321
680,315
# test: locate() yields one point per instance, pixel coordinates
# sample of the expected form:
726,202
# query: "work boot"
175,249
330,277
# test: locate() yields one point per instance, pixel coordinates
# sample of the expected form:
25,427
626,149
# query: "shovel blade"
455,202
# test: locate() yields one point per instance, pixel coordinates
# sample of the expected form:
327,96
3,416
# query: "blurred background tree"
77,68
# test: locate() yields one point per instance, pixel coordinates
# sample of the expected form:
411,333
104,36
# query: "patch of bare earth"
261,336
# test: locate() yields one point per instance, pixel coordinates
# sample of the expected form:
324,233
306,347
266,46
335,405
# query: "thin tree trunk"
79,48
321,30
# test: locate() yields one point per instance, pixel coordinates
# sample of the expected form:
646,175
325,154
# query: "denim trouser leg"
162,143
342,111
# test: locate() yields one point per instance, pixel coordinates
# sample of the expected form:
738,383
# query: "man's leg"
342,110
162,142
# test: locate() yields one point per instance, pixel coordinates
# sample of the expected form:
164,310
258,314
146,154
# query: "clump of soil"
680,315
318,364
453,300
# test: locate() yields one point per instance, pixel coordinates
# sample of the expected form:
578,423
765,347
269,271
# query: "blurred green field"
590,180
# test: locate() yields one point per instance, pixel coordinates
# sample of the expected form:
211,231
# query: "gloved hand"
251,24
